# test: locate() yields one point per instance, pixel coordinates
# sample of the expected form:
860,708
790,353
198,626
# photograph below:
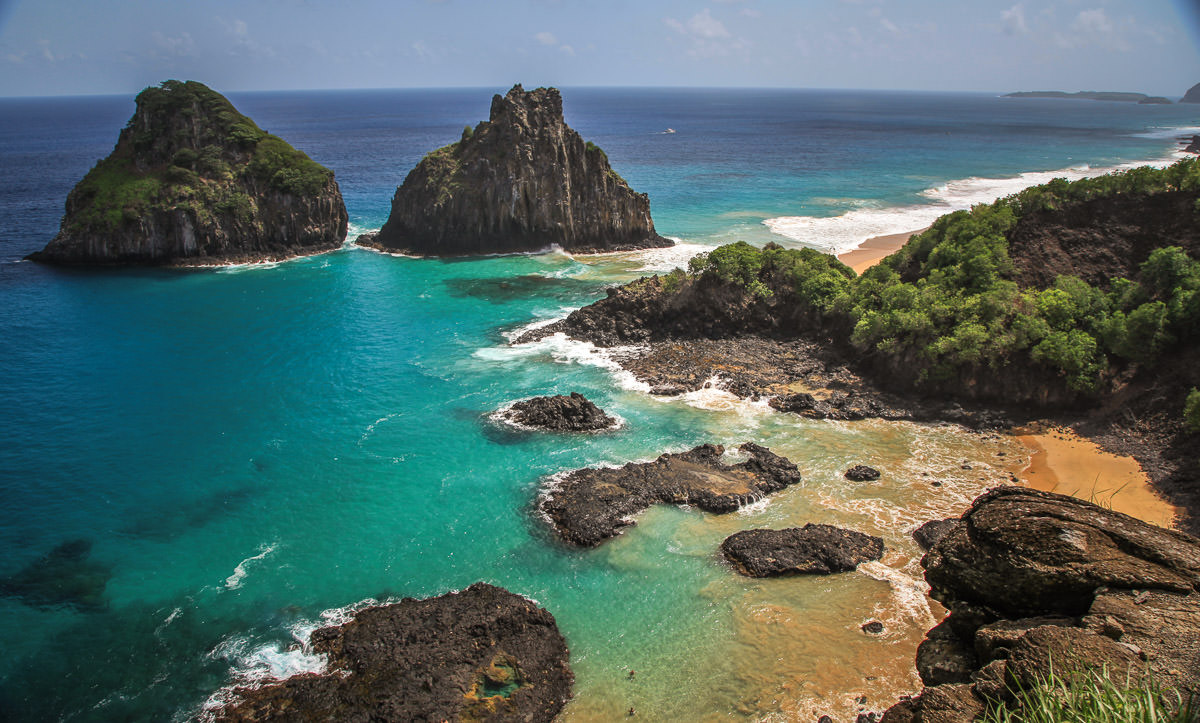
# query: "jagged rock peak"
193,181
522,180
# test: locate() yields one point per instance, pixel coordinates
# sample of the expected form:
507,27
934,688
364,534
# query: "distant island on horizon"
1115,96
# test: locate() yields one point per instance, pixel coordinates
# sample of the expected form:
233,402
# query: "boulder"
559,413
1020,553
927,535
813,549
480,654
862,473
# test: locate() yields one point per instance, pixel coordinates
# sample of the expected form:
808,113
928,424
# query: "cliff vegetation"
191,178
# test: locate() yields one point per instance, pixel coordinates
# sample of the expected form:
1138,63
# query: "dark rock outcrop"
1034,579
520,181
929,533
480,654
193,181
1192,95
862,473
559,414
814,549
590,505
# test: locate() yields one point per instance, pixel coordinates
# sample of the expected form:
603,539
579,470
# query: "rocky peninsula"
1036,581
1069,301
589,506
192,181
522,180
480,654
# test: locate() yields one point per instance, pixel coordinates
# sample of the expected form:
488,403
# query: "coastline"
875,249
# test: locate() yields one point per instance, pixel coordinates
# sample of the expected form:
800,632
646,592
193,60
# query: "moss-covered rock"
192,180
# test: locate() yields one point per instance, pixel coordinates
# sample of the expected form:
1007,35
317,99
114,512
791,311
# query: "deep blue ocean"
198,467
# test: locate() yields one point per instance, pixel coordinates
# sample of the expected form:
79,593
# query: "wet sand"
1066,463
875,249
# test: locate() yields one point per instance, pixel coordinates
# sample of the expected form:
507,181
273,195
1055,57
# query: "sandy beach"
875,249
1068,464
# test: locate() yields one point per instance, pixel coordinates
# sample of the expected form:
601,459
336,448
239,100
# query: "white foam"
839,234
669,258
910,594
564,350
234,581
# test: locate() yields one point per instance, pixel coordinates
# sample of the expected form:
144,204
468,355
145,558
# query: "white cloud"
1013,20
546,38
751,13
182,46
567,50
704,25
1094,27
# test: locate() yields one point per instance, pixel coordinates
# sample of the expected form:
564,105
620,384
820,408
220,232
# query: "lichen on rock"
193,181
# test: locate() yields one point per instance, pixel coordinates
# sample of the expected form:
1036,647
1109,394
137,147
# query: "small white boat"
669,130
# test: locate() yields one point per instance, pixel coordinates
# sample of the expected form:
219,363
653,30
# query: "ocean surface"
199,467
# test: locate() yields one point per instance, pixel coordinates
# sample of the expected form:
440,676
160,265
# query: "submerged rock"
193,181
813,549
590,505
520,181
480,654
560,414
64,576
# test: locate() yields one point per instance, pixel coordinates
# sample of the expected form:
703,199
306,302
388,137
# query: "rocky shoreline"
1036,582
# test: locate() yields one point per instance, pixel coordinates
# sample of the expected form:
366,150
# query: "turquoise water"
246,449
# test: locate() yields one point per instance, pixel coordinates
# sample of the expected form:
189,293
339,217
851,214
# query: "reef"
588,506
192,181
814,549
559,413
522,180
1036,581
65,576
480,654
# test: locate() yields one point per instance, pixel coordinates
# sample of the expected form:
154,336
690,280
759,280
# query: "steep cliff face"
520,181
192,180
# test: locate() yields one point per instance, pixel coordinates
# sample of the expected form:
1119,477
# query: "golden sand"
874,250
1068,464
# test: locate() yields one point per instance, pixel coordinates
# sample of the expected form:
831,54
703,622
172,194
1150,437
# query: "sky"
74,47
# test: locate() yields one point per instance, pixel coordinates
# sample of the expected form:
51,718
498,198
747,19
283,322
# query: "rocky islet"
523,180
192,181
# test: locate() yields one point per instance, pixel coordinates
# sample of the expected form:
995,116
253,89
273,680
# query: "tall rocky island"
193,181
520,181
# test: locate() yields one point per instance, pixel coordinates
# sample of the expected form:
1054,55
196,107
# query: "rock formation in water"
588,506
520,181
1034,579
559,414
1192,95
814,549
480,654
861,473
193,181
